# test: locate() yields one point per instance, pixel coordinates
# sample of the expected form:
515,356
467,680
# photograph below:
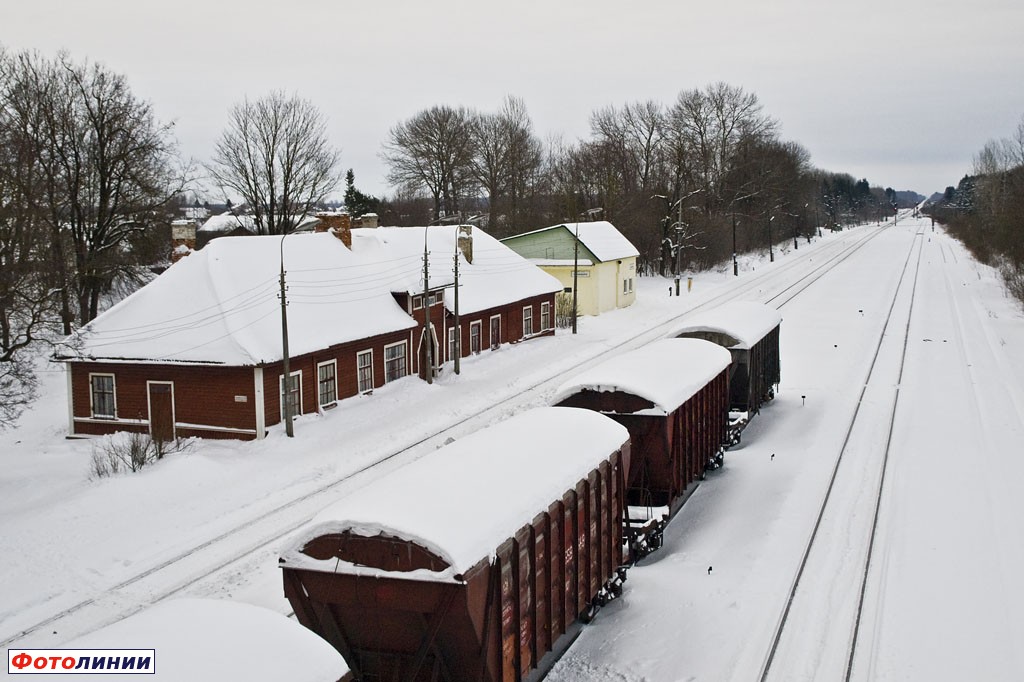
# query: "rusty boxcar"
750,331
475,561
673,397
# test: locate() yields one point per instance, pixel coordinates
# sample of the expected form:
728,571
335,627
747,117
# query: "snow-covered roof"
667,372
463,500
208,639
497,275
601,237
220,305
746,321
227,221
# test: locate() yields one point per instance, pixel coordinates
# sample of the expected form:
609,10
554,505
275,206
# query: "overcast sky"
902,92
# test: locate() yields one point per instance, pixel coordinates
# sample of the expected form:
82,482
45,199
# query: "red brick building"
198,351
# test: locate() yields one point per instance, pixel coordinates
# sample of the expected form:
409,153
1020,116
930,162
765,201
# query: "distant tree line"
90,181
674,178
986,209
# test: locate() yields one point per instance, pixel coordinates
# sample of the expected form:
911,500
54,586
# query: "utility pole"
429,372
458,330
288,428
575,276
771,252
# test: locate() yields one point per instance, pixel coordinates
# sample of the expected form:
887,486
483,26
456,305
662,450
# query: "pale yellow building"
605,262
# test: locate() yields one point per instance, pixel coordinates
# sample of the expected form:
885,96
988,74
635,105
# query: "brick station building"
198,351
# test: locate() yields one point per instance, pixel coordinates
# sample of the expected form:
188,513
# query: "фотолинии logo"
81,661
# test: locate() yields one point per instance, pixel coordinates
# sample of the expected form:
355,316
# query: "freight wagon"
750,331
475,562
673,397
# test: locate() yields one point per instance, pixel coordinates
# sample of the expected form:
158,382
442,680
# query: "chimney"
368,220
465,242
183,239
338,224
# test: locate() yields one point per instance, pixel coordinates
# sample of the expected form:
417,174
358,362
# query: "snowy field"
943,597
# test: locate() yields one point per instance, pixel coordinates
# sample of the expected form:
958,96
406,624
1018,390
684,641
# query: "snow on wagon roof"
220,305
667,372
209,639
468,497
746,321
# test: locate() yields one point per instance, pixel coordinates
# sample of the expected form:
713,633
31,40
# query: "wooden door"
161,410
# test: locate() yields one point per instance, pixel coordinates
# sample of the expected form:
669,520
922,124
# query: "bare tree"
433,150
507,156
275,154
27,303
105,168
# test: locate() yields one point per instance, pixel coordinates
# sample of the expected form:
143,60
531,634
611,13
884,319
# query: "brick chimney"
465,241
338,224
183,239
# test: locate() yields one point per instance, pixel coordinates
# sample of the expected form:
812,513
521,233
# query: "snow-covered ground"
943,599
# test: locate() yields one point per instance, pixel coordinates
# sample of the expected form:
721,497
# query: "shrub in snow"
563,310
129,452
1013,275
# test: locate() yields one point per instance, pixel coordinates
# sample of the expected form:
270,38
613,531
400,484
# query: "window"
528,321
417,302
545,316
327,380
102,396
453,350
394,361
625,286
495,331
436,298
364,371
474,337
630,285
294,394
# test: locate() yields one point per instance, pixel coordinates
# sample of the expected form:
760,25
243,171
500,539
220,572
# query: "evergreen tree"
357,203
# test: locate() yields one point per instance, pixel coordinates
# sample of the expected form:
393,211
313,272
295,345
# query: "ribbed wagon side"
673,398
474,562
750,331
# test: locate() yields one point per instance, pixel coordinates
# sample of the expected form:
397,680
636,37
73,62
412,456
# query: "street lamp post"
771,252
735,264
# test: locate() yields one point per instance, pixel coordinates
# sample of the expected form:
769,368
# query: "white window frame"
479,324
527,318
630,285
359,377
490,333
113,391
405,360
453,334
417,302
625,286
545,316
283,397
319,393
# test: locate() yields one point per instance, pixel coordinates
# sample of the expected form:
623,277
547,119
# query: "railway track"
270,526
843,518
